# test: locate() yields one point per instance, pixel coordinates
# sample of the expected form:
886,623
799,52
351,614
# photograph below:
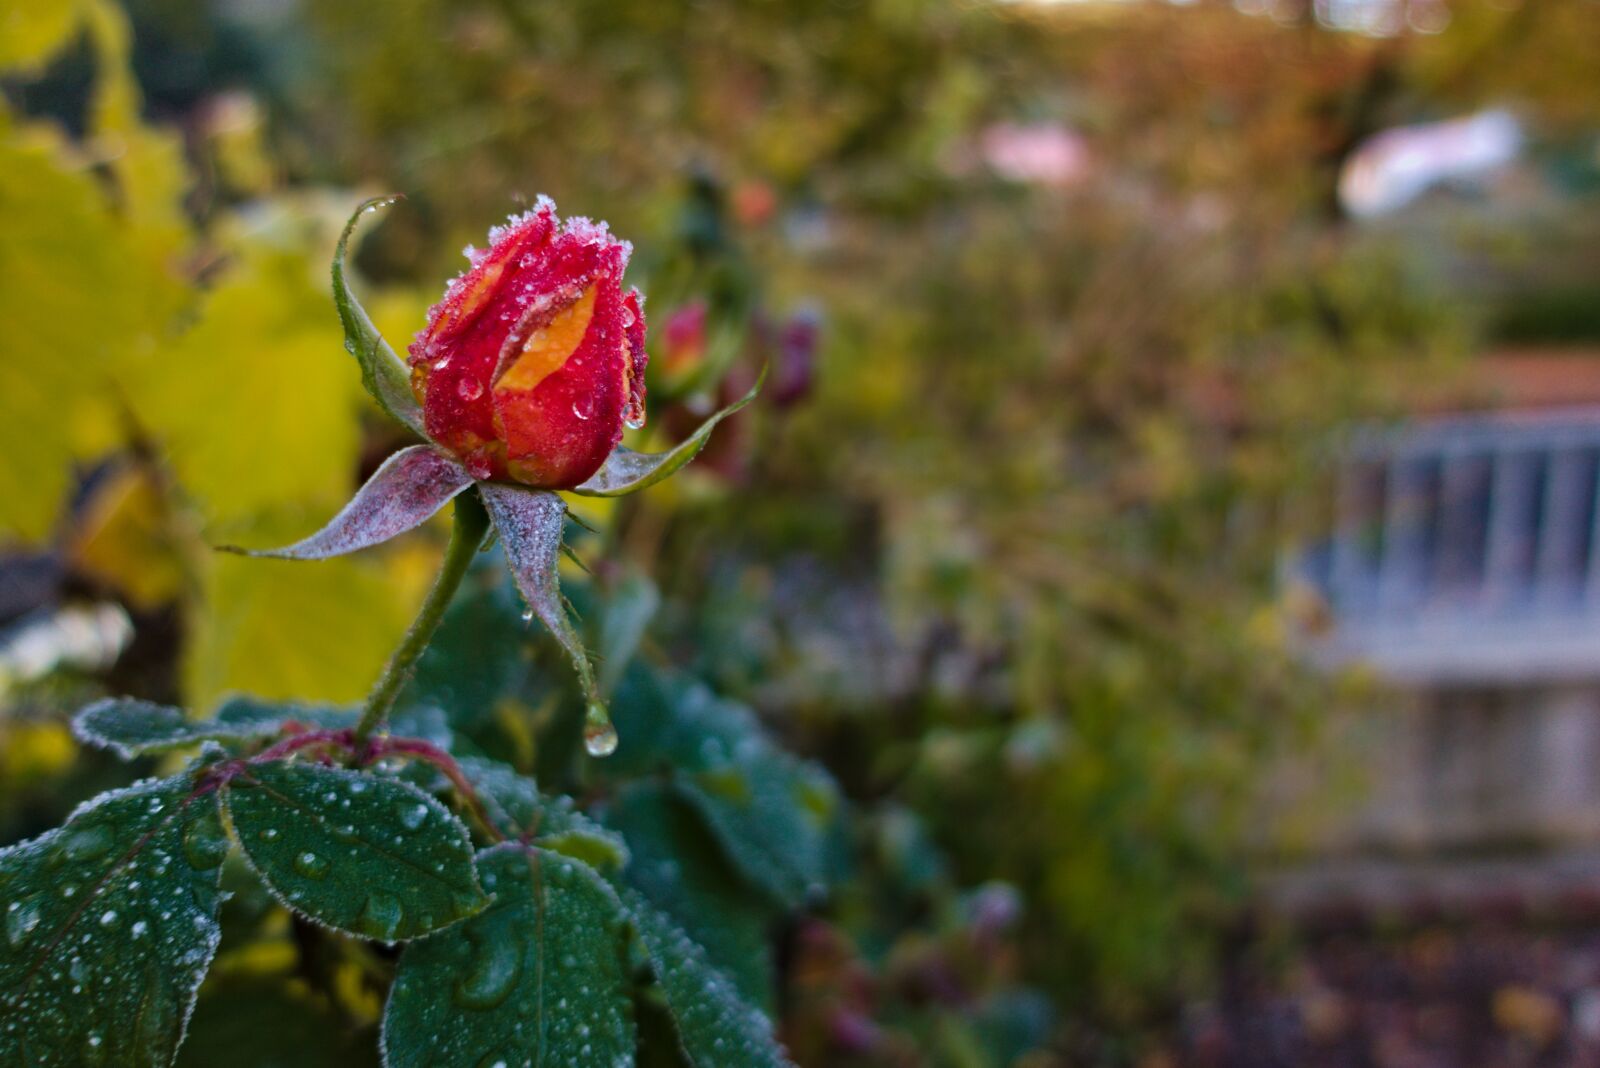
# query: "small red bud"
534,360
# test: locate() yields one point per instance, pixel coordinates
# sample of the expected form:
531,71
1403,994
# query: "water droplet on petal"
599,735
470,389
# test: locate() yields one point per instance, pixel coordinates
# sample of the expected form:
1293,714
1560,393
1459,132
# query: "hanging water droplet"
413,816
470,389
311,865
635,418
527,615
599,735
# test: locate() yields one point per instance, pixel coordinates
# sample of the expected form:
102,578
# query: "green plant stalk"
466,536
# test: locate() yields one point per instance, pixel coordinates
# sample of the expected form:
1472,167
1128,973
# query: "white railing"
1467,550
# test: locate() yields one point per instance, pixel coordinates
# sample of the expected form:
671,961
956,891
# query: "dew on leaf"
381,915
413,816
311,865
87,843
496,967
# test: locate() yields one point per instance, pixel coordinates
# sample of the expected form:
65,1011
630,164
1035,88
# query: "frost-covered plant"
533,931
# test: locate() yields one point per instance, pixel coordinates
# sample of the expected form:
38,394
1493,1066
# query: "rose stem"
471,524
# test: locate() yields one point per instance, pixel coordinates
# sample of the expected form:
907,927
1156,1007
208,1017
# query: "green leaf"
626,471
368,855
680,869
130,728
539,977
382,372
253,713
716,1027
110,923
516,807
771,812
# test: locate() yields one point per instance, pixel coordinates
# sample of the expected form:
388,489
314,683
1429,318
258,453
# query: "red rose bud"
534,360
797,358
683,339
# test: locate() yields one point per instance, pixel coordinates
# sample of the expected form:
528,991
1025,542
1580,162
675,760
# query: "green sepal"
626,471
383,373
365,854
531,524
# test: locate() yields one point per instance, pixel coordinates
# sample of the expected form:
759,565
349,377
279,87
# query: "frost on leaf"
130,728
372,856
514,804
109,924
383,373
539,977
680,868
401,495
716,1027
530,525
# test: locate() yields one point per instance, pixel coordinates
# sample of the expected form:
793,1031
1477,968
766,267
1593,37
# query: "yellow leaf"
77,286
32,31
255,405
125,538
314,632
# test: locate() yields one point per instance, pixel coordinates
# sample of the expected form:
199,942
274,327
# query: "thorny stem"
471,524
